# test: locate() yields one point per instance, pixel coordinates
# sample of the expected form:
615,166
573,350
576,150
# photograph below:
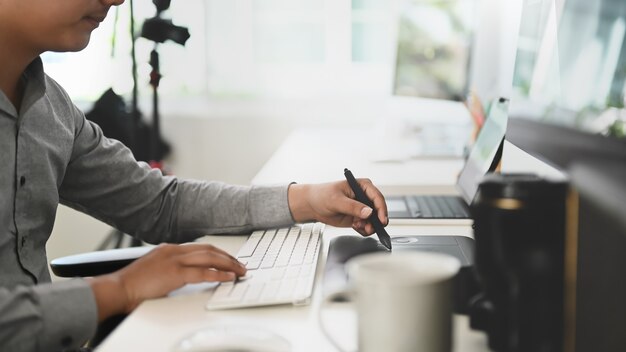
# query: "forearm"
213,208
105,181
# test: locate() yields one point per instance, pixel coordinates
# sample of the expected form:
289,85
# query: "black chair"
94,264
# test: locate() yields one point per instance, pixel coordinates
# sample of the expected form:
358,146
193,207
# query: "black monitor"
567,109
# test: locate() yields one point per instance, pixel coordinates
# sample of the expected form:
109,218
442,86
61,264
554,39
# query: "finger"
360,231
377,198
368,229
214,261
192,275
192,246
358,223
208,259
352,207
365,228
216,275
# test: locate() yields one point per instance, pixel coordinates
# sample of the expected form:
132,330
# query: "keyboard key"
277,243
250,245
238,291
254,293
261,275
235,296
268,262
222,291
251,265
278,273
292,272
286,289
270,290
312,250
306,270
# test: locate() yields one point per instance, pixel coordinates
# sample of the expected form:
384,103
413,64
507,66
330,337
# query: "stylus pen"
383,236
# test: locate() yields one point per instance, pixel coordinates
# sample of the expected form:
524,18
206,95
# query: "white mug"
403,301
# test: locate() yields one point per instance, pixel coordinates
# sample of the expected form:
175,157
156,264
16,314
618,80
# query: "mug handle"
345,294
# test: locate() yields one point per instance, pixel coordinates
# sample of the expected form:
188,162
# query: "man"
50,153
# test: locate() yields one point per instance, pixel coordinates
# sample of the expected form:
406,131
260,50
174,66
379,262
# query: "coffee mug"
403,301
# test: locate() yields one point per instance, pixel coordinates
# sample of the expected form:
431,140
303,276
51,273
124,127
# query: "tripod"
155,78
157,30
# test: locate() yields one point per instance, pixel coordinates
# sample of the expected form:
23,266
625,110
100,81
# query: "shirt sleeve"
47,317
104,180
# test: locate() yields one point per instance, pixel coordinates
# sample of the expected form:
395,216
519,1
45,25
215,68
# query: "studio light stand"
158,30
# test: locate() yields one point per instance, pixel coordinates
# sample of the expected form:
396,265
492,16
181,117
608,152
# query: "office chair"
94,264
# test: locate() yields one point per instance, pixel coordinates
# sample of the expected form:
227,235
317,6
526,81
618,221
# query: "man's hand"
333,203
162,270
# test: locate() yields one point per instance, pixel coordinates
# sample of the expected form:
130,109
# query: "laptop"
484,157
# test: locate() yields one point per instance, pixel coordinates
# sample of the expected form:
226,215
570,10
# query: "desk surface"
159,325
308,157
320,155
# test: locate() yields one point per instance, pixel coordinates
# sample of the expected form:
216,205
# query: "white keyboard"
281,267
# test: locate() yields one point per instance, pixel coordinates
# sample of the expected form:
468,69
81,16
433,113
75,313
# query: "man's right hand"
162,270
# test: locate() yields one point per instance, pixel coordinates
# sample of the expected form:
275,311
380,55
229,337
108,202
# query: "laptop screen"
484,150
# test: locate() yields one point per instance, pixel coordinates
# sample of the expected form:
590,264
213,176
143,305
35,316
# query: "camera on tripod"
158,29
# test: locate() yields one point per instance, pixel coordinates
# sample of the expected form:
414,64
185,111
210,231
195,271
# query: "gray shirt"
50,154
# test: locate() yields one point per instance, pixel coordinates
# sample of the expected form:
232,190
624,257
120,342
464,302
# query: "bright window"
244,49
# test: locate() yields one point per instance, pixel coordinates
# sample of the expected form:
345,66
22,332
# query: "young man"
49,153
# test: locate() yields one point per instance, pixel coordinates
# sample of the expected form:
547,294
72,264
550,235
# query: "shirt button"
22,180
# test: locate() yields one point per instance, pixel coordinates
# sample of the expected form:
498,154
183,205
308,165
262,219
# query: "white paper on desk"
194,288
393,142
399,141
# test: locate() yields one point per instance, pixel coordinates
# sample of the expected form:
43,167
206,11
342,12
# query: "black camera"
159,30
524,259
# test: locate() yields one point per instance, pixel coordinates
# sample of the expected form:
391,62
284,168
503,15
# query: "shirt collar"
35,88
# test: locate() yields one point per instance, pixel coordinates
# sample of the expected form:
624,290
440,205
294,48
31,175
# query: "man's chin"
77,44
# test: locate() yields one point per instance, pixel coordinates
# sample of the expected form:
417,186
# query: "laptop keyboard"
281,267
437,207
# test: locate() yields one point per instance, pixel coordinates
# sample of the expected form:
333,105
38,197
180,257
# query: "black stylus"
383,236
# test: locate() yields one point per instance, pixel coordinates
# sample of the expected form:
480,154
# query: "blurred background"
255,70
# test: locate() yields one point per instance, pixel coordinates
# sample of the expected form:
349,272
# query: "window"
299,49
435,40
245,49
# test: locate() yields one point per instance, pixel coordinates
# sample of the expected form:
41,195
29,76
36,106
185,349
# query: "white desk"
307,156
320,155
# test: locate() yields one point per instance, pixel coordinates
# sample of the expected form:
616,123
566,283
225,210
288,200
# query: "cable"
322,327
